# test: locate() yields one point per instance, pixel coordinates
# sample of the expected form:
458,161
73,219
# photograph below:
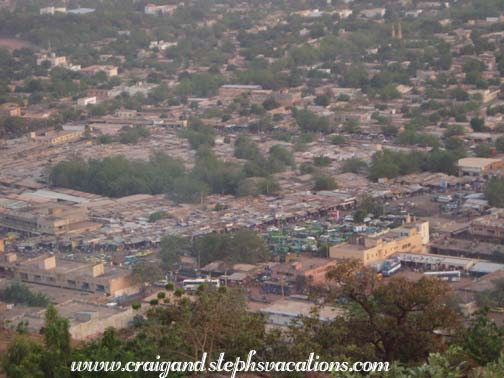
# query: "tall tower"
393,31
399,30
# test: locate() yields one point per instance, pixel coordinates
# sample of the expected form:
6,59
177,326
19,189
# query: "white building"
344,13
285,312
52,10
157,10
161,45
85,101
373,13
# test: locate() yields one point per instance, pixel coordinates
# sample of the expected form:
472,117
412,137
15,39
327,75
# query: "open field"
13,43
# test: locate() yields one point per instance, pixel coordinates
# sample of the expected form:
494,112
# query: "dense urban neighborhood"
290,177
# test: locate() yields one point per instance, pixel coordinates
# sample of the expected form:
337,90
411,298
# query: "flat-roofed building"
52,271
58,137
52,10
100,94
410,237
234,90
53,59
49,219
285,312
86,319
126,113
156,10
85,101
287,99
260,95
10,109
489,227
476,166
313,269
110,71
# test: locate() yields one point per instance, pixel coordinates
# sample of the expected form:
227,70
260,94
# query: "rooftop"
476,162
300,308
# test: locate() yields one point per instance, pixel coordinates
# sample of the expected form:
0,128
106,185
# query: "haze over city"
302,180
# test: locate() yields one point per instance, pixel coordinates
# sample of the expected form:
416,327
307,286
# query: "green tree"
494,192
453,130
28,358
245,148
399,318
309,122
478,124
353,165
442,161
383,165
351,126
18,292
57,345
323,181
189,189
268,186
131,135
483,150
23,358
270,104
369,205
322,100
145,273
241,246
390,130
279,157
483,340
157,215
321,161
208,325
172,247
459,94
492,298
338,140
499,144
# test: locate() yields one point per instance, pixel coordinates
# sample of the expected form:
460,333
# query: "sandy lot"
14,44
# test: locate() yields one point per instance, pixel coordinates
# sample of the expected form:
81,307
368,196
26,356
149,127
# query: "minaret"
393,31
399,30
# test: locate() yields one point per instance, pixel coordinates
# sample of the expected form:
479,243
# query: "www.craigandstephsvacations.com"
311,364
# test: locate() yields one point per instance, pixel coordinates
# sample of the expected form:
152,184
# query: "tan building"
85,101
284,313
487,95
100,94
476,166
287,99
126,113
313,269
260,95
48,270
86,319
10,109
60,137
489,227
53,59
410,237
231,91
110,71
47,219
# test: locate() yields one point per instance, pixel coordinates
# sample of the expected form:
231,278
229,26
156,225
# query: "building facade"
411,237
